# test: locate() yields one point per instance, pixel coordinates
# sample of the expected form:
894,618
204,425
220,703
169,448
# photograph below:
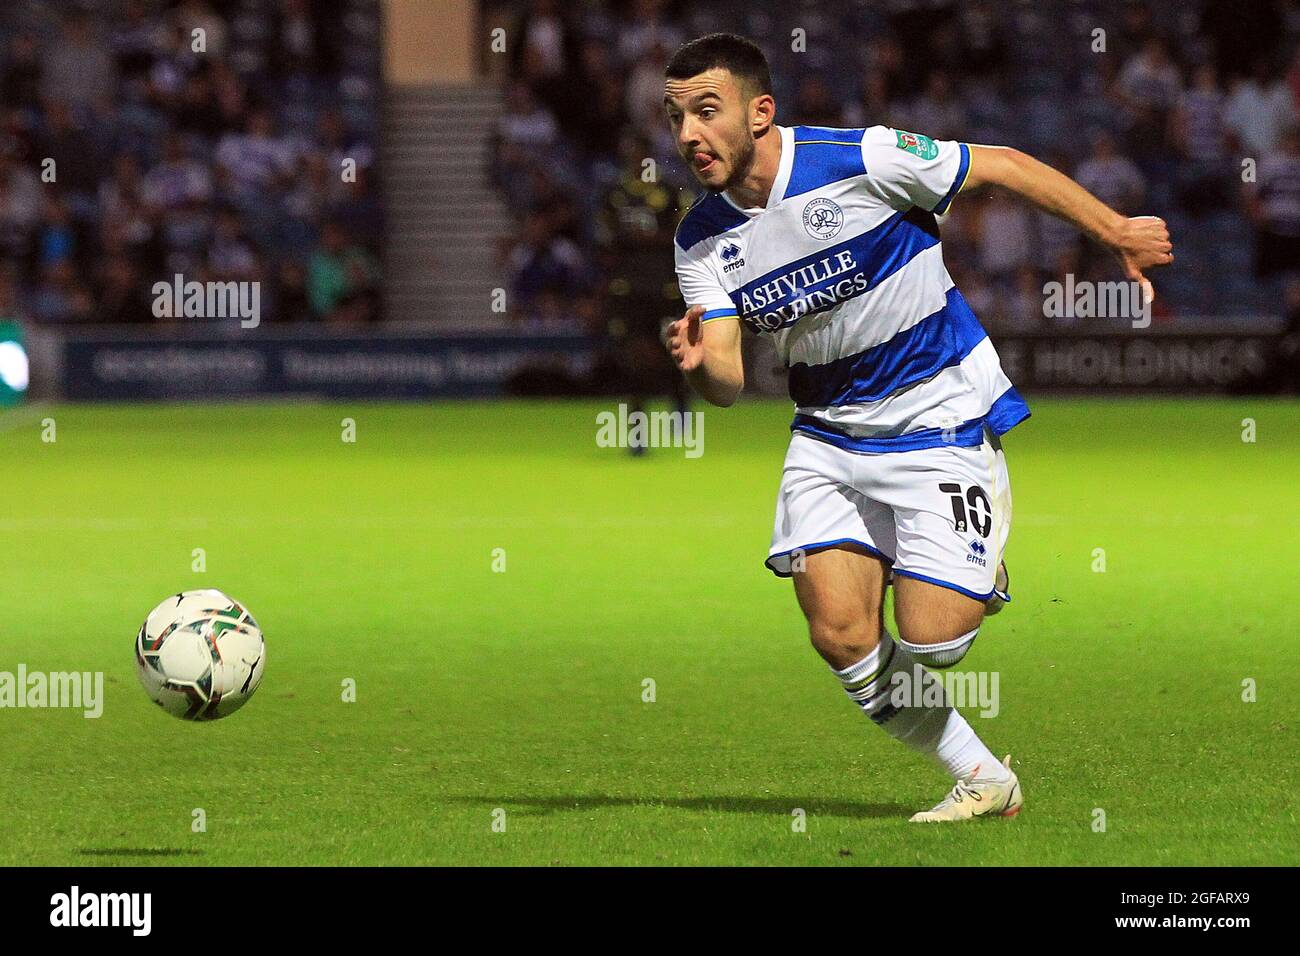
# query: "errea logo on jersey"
823,218
730,256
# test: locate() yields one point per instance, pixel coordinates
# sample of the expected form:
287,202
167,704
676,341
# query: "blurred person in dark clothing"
1273,204
60,296
20,209
120,295
543,263
20,83
137,40
291,301
1200,137
815,104
635,224
196,110
79,68
1286,358
78,159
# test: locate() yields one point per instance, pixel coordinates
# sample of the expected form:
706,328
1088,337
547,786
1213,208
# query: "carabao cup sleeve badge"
917,144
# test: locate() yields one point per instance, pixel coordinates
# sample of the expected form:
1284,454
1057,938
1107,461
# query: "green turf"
522,690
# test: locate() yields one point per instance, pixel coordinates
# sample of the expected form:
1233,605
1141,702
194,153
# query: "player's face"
709,115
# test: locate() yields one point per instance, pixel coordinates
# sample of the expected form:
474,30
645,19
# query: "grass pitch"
521,690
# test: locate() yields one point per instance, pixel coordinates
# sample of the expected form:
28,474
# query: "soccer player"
826,240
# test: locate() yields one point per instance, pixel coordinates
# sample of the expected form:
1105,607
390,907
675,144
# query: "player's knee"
937,653
844,640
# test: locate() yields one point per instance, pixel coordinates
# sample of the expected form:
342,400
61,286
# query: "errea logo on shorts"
822,218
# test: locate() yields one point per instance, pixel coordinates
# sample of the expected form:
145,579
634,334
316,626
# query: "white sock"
939,732
945,654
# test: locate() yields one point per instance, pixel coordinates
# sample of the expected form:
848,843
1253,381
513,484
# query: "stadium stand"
1159,122
219,158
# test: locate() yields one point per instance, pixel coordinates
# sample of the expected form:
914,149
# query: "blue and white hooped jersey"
844,270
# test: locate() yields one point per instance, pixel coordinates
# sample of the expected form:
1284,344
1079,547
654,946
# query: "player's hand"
1143,242
685,340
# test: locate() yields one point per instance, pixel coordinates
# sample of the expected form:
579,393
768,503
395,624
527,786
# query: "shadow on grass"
137,851
814,806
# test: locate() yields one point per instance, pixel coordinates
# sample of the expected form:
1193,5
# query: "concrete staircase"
444,218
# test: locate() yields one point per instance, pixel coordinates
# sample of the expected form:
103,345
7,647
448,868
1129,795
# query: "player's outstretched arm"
708,353
1139,242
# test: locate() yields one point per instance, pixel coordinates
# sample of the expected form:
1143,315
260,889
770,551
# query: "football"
200,655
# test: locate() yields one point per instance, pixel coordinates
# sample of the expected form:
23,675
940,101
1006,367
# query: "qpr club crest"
823,219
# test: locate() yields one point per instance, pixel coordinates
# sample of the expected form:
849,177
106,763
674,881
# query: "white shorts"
937,514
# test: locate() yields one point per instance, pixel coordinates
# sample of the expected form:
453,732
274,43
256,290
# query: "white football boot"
974,797
1000,597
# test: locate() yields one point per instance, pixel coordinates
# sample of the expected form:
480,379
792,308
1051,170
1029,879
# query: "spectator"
120,296
1059,242
359,211
61,296
338,143
255,162
192,15
231,256
545,38
645,88
178,180
79,69
20,209
341,278
196,111
1004,238
815,104
1293,81
937,112
56,237
292,303
648,27
20,83
525,126
543,264
1112,178
1273,204
1258,109
78,163
871,107
298,47
1201,142
130,113
983,46
1149,86
138,39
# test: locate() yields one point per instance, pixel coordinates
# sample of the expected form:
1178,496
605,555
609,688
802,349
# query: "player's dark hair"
738,56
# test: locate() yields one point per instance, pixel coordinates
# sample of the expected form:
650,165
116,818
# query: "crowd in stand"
1187,113
141,139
